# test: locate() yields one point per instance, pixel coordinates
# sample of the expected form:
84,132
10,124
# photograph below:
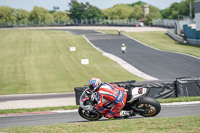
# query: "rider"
112,93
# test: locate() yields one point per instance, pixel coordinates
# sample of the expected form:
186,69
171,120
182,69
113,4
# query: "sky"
63,4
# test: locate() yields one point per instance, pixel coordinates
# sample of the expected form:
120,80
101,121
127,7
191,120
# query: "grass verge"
23,110
158,125
169,100
160,40
39,61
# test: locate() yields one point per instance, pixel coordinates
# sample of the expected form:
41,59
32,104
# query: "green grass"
111,31
156,125
160,40
179,99
39,61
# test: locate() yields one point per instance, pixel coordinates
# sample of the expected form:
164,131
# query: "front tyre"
87,115
150,106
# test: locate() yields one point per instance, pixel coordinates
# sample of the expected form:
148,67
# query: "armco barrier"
175,37
159,89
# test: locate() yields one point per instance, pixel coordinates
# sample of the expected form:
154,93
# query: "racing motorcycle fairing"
135,93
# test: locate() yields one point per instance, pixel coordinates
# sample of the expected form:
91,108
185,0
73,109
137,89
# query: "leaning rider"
112,93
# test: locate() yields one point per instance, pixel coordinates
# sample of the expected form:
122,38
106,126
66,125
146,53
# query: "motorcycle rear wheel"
150,106
86,115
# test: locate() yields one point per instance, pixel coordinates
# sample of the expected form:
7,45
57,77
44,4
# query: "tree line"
81,11
38,16
179,9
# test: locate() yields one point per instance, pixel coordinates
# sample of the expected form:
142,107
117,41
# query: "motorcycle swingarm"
137,110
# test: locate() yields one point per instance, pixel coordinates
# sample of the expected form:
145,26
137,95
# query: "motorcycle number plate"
138,91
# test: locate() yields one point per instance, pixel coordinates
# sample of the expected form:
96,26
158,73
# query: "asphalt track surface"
156,63
72,117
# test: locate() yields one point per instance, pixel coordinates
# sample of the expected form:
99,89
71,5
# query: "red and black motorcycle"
137,103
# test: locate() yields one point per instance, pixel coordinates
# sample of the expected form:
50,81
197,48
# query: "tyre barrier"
159,89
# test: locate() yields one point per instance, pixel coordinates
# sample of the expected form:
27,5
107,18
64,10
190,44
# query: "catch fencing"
75,22
168,23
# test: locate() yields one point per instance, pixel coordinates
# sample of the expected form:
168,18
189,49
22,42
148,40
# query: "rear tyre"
150,106
87,115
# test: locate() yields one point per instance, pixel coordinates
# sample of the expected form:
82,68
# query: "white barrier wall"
193,41
197,20
197,14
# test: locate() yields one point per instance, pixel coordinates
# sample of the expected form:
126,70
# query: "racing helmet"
94,84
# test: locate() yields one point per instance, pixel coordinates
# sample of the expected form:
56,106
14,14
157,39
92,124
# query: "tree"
154,14
184,8
166,13
7,16
176,9
137,12
119,11
76,10
137,3
130,11
60,17
93,12
84,11
22,16
40,15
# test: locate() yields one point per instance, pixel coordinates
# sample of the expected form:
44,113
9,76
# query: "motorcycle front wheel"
87,115
150,106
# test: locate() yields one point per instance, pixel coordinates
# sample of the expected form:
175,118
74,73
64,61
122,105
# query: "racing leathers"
113,96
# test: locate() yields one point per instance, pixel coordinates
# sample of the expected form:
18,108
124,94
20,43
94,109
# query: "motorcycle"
137,103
